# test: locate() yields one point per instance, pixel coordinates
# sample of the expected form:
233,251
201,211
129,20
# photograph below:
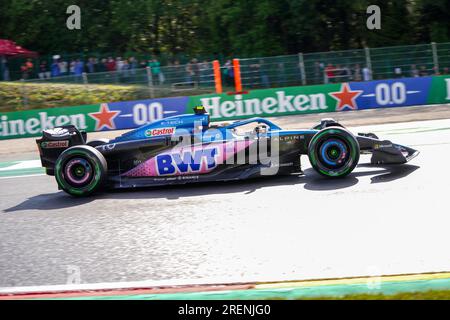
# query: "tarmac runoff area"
378,221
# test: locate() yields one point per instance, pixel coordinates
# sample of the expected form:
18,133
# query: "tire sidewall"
321,137
95,159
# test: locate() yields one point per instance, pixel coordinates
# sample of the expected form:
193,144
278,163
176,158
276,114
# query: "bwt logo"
187,162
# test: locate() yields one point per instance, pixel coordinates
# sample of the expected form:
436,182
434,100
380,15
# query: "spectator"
79,67
125,68
72,67
445,71
423,71
204,71
102,65
414,72
398,72
132,62
329,73
5,69
189,72
367,74
62,67
228,73
30,66
339,73
91,65
195,70
111,65
347,73
55,72
155,66
357,73
119,64
264,74
43,70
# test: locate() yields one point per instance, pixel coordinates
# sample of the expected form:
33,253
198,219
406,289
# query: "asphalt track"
378,221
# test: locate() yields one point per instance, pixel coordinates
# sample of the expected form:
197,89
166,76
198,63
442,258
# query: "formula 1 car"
187,148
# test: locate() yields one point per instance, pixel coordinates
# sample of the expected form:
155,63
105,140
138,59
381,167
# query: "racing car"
188,148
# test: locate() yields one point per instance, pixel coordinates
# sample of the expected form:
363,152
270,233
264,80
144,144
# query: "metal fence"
165,79
349,65
129,84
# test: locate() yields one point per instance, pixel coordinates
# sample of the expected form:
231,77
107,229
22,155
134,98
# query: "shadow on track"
310,181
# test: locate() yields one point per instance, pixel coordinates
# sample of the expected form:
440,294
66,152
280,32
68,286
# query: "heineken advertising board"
98,117
327,98
263,103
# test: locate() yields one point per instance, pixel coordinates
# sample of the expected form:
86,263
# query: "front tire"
80,170
333,152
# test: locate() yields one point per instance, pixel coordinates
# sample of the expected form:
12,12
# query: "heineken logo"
281,103
40,122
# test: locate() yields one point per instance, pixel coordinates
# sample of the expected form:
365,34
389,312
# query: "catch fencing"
197,77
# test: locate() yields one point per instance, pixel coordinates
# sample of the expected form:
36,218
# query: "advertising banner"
326,98
263,103
98,117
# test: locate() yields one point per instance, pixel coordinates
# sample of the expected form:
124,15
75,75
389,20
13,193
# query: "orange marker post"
217,76
237,75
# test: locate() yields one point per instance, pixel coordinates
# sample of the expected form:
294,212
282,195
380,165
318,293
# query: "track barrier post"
301,64
150,82
435,58
368,61
237,75
217,76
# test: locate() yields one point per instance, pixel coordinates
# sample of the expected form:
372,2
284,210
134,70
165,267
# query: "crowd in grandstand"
192,71
343,73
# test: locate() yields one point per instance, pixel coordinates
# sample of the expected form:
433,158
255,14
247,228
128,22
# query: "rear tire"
334,152
81,170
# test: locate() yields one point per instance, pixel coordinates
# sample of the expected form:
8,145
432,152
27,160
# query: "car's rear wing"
55,141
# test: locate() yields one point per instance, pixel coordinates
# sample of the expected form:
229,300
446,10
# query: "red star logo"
346,97
104,118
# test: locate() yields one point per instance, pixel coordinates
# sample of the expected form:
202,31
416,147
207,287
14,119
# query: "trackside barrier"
334,97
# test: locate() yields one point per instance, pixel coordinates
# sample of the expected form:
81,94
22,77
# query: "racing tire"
333,152
81,170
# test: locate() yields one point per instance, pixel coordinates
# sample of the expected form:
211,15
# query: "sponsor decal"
346,97
381,146
55,144
104,118
159,132
187,161
36,122
260,105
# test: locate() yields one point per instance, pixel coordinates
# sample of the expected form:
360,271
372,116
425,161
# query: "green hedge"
23,96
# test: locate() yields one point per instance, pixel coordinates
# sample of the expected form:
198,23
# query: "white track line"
27,164
24,176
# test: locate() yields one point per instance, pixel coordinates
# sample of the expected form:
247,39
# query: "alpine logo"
159,132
